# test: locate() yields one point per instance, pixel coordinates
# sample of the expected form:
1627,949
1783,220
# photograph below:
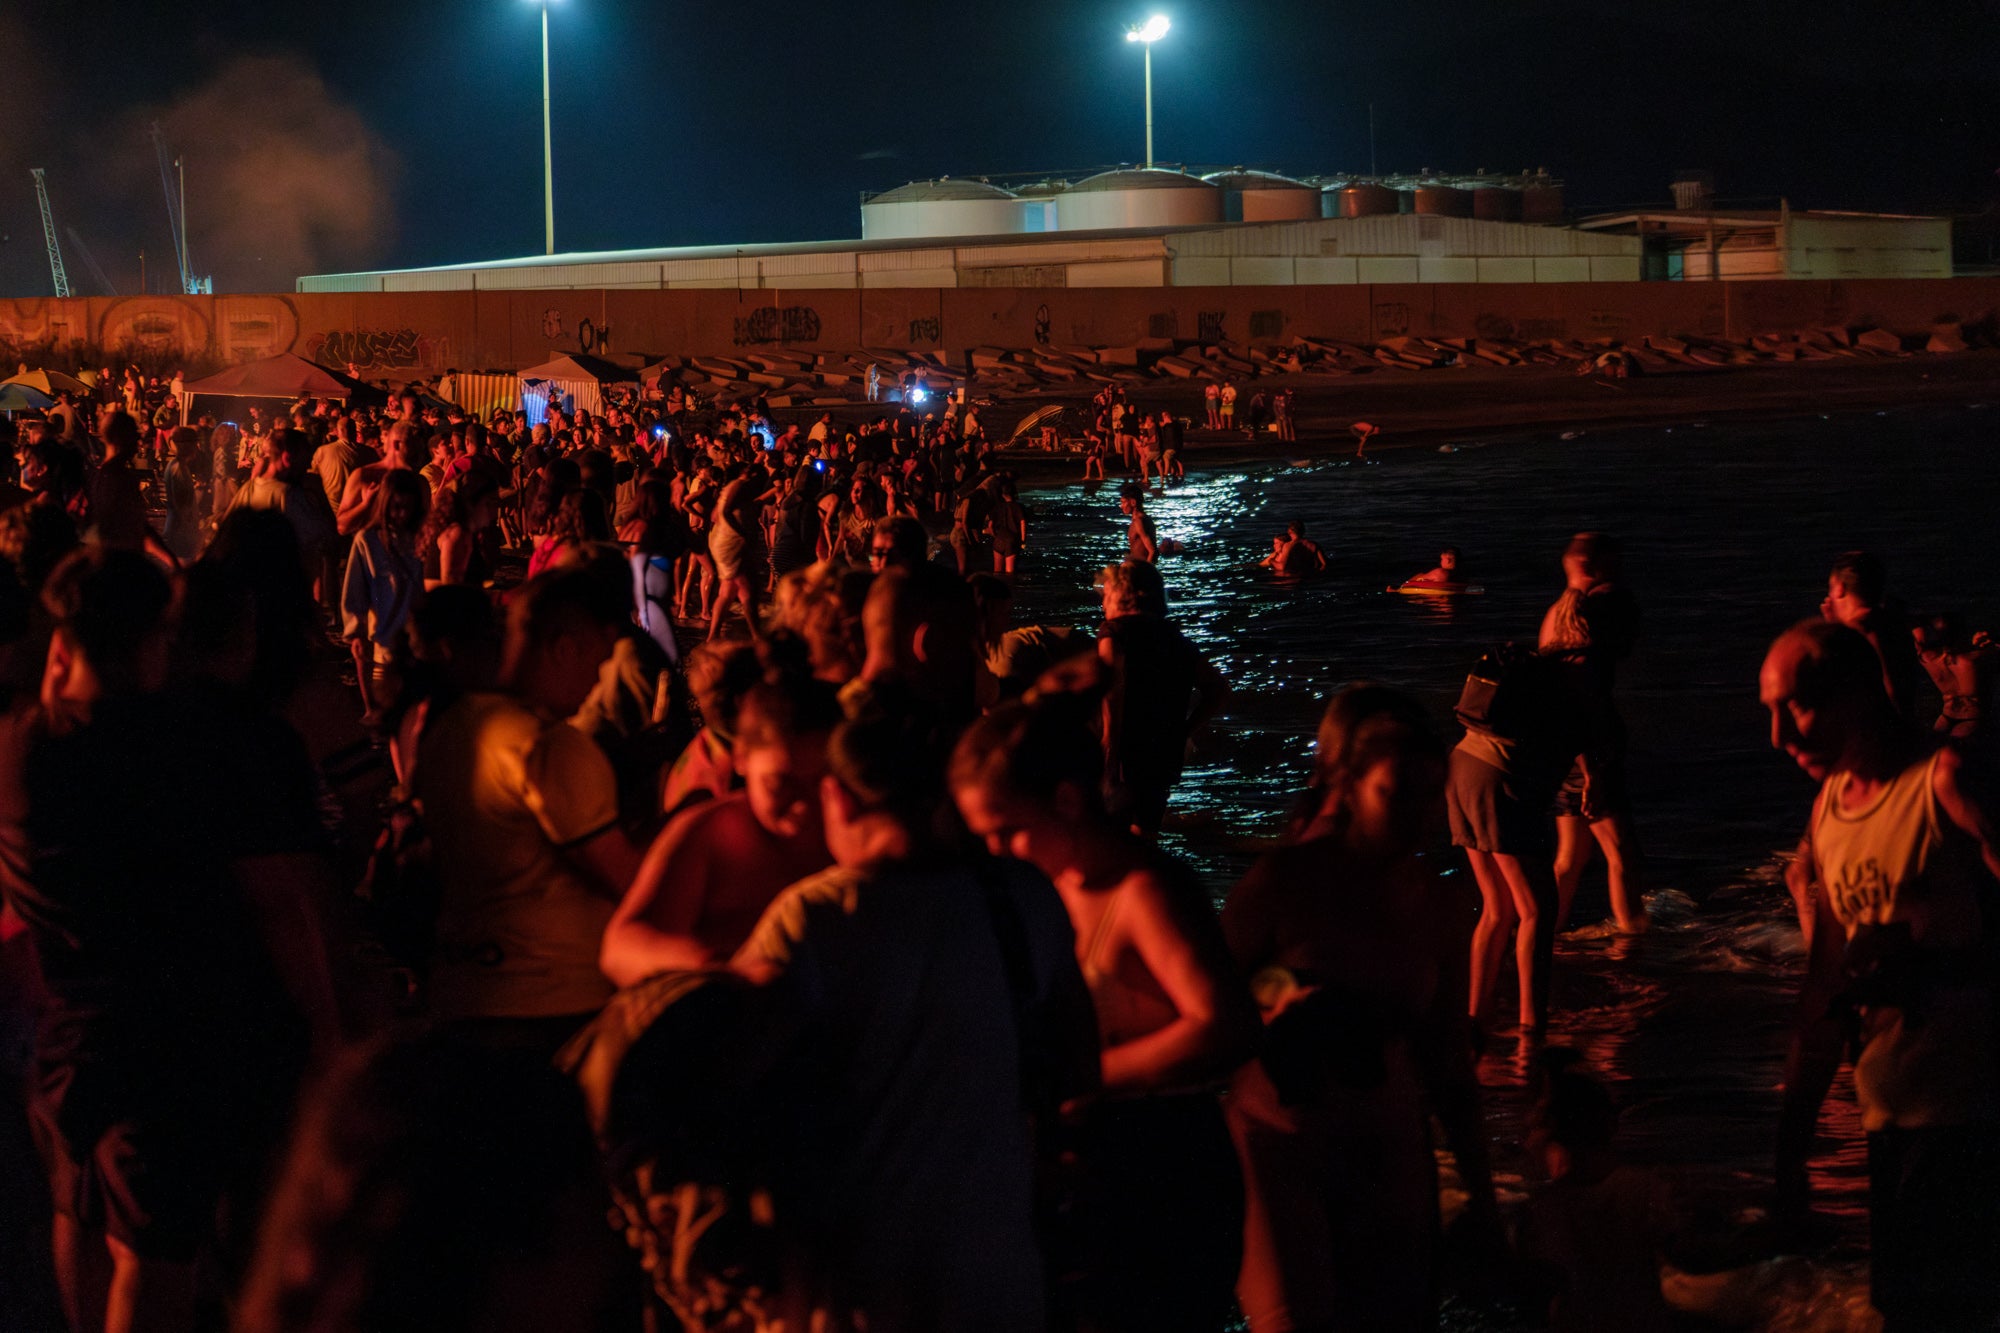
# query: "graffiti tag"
590,338
1208,326
1042,320
371,347
1392,319
773,324
927,330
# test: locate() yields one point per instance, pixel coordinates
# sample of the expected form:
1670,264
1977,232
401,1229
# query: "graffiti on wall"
1042,322
1209,326
929,330
778,324
367,348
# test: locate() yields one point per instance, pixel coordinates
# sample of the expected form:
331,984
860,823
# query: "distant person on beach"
1227,418
1446,574
1903,857
1857,596
1211,399
1142,539
1363,432
1282,410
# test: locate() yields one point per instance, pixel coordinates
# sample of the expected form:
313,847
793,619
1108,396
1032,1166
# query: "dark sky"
370,133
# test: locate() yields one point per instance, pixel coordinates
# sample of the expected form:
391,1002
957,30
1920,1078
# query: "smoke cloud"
282,177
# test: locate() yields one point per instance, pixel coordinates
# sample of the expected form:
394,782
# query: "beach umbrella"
21,398
50,382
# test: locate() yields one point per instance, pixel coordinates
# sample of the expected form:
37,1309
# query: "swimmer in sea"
1294,555
1962,668
1142,539
1363,431
1446,573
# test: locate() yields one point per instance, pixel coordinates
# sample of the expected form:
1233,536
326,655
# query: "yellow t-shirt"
503,791
1897,866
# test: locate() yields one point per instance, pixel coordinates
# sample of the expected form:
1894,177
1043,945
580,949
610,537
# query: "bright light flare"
1156,28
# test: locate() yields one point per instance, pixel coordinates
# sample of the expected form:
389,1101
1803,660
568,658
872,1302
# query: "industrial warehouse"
1154,227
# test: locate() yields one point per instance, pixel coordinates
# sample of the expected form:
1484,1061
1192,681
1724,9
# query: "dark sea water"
1729,531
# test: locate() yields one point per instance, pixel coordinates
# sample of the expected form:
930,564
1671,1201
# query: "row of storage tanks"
1157,197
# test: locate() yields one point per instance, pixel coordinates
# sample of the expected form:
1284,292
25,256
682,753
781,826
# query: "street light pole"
548,155
1154,29
1149,106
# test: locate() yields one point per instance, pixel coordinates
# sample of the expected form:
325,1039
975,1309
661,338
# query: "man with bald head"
1901,858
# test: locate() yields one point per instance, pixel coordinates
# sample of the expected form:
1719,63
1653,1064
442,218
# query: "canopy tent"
574,376
18,397
286,375
49,382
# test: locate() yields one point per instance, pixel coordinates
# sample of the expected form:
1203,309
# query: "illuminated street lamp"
548,157
1154,29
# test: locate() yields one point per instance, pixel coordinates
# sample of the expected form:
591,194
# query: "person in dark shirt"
1162,690
168,878
117,504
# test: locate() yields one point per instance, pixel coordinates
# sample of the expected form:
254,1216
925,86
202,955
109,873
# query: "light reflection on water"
1728,533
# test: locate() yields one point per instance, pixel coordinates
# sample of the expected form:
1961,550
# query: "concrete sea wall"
421,333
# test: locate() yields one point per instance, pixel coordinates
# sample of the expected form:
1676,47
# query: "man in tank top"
1902,849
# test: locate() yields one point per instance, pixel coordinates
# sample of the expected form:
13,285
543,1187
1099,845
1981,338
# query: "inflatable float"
1416,589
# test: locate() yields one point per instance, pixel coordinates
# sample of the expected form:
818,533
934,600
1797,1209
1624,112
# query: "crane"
49,233
176,207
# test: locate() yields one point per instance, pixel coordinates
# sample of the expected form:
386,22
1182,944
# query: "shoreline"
1428,408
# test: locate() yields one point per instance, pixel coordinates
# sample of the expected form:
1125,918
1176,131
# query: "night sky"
388,133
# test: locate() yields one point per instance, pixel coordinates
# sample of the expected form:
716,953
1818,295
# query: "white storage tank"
1263,196
944,207
1138,197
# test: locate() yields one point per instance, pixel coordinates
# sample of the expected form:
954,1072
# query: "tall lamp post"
548,156
1153,29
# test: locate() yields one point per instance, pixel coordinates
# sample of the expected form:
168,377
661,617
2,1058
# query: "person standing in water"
1142,539
1903,854
1591,628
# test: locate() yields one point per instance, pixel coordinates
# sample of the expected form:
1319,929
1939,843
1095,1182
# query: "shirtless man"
1294,555
1903,853
1142,539
715,868
403,446
1446,572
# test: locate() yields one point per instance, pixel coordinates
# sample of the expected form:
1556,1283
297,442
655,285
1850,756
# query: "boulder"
1880,340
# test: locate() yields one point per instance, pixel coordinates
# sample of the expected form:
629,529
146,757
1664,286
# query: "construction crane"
173,180
49,233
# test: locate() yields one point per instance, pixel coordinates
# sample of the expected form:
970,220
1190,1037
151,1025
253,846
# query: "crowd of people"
835,957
